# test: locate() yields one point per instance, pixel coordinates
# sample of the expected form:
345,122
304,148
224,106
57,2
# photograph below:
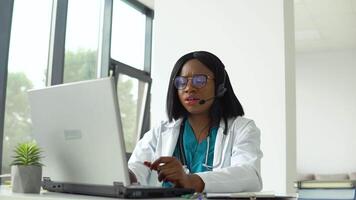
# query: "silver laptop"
78,126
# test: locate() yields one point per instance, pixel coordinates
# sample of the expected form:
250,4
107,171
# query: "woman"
206,144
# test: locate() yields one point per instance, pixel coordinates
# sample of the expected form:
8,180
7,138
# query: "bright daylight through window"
27,69
82,36
30,59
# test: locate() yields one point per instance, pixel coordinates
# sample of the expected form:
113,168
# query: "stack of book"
323,190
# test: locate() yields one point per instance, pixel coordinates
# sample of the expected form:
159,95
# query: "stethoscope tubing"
182,152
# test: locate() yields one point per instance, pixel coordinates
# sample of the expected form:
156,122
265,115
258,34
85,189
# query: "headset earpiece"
221,88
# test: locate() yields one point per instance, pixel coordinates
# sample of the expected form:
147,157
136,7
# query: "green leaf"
27,154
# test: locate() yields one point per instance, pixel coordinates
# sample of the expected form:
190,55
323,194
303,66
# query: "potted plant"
26,169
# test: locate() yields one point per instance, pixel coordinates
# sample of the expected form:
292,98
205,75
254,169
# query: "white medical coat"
236,161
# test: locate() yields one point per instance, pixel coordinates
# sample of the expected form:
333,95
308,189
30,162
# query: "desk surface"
7,194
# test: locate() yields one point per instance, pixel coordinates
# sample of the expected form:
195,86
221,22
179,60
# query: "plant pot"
26,179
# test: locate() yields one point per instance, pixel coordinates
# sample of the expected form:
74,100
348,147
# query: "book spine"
299,184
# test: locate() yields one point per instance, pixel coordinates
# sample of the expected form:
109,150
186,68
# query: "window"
128,35
131,57
27,68
131,94
37,41
82,36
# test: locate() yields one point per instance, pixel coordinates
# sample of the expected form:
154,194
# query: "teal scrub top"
195,153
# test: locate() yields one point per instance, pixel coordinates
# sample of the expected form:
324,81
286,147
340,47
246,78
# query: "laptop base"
117,190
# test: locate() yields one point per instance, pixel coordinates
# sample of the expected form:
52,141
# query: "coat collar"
170,137
171,133
176,123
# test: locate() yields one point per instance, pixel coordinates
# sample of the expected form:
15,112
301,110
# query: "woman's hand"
170,169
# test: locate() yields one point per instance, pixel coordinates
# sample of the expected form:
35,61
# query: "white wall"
249,37
326,111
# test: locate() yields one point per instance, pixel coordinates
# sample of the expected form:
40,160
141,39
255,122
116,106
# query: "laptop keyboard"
143,186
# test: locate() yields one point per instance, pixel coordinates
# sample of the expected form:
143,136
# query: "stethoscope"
182,152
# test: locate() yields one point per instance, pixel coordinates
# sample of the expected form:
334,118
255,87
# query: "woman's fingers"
168,168
168,165
161,161
147,164
163,173
172,178
173,169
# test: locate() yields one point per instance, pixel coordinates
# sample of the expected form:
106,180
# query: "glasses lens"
199,80
180,82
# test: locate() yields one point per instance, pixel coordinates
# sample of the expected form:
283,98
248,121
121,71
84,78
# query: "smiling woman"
206,144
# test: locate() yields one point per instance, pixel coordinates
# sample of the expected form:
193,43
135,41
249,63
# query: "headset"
221,87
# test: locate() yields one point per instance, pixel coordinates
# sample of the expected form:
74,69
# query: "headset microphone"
203,101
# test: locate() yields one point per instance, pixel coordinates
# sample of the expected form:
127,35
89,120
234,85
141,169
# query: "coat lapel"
219,144
170,137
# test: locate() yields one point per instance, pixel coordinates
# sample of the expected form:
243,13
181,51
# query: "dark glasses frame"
197,81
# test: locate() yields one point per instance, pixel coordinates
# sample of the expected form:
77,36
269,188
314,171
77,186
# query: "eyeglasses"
198,81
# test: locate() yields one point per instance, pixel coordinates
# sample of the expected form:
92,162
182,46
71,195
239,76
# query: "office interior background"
292,65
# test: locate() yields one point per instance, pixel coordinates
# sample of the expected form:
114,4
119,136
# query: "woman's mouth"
191,101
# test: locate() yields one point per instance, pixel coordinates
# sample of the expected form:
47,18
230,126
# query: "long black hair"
225,107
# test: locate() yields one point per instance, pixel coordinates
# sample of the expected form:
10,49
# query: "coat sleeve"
243,174
144,151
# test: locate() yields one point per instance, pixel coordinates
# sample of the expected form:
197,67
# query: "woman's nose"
189,86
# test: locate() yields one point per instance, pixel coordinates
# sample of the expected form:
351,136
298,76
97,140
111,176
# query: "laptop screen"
78,126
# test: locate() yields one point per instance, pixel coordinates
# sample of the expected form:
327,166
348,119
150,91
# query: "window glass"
27,69
82,38
132,96
128,35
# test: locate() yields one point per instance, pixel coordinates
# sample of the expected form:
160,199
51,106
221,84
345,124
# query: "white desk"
7,194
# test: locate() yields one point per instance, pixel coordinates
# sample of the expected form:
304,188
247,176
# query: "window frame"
6,10
118,68
141,75
57,42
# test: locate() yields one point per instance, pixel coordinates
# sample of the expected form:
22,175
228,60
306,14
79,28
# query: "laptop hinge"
120,190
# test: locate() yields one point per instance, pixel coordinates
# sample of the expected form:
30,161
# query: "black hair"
225,107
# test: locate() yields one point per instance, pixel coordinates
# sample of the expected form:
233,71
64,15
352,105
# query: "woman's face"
196,89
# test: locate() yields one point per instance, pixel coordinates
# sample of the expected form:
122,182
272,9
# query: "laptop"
79,128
